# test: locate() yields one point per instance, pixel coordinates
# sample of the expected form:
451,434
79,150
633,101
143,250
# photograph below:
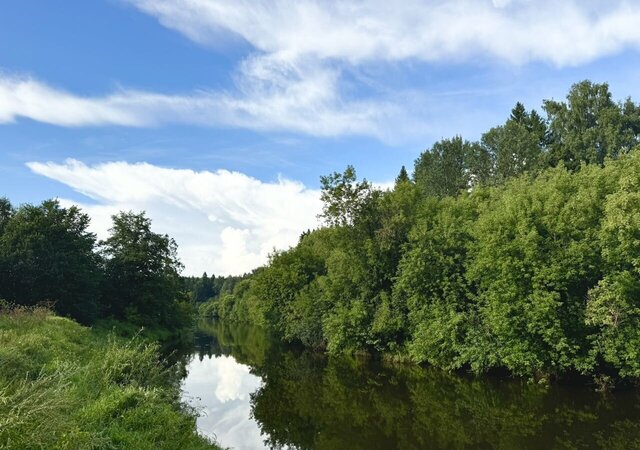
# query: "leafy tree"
431,285
6,212
343,197
613,305
532,121
395,213
614,308
590,126
488,259
516,147
142,283
452,166
46,254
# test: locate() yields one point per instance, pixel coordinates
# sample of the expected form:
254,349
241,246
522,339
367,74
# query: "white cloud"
220,389
305,72
563,33
306,102
224,222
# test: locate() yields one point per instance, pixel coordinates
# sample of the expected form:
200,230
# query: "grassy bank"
66,386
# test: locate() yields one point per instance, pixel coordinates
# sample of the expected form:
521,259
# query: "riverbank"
63,385
536,277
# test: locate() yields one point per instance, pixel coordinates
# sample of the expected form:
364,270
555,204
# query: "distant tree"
228,284
6,211
403,176
450,166
590,126
517,146
46,254
518,113
142,283
204,289
532,121
343,197
304,234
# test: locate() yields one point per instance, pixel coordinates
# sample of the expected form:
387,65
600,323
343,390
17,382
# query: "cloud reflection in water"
219,387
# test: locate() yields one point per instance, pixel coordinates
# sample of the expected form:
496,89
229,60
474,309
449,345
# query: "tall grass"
66,386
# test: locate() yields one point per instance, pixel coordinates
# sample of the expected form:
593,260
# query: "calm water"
254,394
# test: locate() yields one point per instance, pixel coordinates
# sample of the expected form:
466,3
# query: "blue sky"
217,117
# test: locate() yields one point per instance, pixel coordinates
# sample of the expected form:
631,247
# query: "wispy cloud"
518,31
225,222
303,73
307,102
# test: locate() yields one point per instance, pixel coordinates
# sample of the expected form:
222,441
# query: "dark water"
255,393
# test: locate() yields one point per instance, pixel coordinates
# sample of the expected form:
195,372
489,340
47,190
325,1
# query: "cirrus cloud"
270,98
306,70
563,33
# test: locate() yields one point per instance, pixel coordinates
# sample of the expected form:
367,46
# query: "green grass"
65,386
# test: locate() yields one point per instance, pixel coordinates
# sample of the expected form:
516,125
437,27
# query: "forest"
518,253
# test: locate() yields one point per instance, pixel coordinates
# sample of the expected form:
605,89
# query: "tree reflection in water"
310,401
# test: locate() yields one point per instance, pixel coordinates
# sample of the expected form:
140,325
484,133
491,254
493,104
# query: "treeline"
48,254
517,252
207,287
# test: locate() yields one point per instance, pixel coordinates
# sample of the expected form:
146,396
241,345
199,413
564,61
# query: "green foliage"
305,314
586,129
537,275
289,272
46,255
517,146
346,327
431,285
65,386
533,261
204,288
142,283
590,126
403,176
451,166
490,258
343,197
614,308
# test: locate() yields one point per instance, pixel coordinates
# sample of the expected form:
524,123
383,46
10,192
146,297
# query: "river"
255,393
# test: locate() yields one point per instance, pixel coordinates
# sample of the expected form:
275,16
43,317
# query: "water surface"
255,393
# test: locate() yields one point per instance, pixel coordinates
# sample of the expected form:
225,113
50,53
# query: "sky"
217,117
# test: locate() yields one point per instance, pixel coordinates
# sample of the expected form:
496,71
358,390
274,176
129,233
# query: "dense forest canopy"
520,251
